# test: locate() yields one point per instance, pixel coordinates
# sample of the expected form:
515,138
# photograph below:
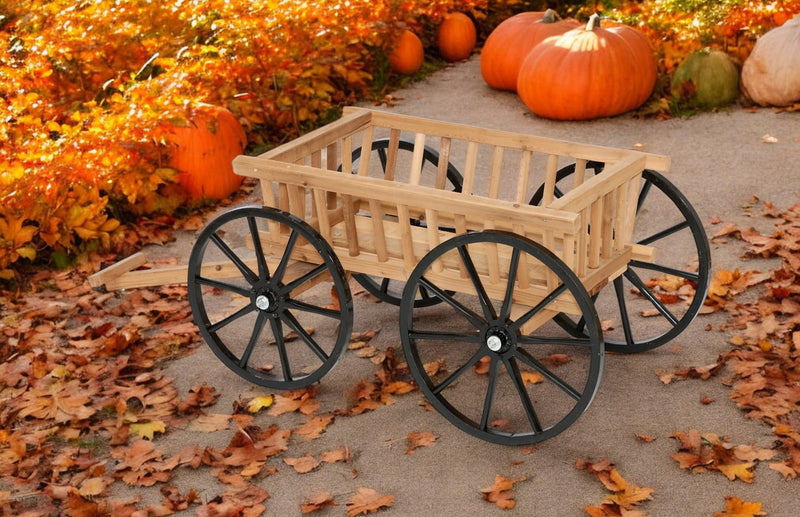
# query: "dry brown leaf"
735,507
317,502
420,439
367,500
304,464
501,493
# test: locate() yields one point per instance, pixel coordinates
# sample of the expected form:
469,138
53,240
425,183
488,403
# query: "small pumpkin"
588,73
407,53
456,37
202,148
771,73
707,78
509,43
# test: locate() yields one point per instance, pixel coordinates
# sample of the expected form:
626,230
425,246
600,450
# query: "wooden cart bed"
383,225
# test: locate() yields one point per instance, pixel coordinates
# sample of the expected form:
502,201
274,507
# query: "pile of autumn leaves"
83,396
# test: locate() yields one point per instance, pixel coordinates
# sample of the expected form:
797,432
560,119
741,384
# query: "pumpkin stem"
593,23
550,16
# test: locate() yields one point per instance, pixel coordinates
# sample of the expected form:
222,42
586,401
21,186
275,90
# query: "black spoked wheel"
257,307
653,301
386,289
474,357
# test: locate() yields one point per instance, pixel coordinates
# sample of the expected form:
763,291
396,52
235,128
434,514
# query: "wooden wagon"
495,245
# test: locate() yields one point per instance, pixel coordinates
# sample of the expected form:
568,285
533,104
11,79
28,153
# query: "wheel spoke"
519,383
247,309
619,290
489,399
534,363
550,298
287,254
643,193
470,315
383,158
304,335
675,228
261,320
563,341
263,270
294,284
224,286
486,302
385,284
647,293
681,273
505,310
277,330
314,309
480,354
445,336
247,273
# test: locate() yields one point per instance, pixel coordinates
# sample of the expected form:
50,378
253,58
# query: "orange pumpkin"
588,73
509,43
407,54
201,149
456,37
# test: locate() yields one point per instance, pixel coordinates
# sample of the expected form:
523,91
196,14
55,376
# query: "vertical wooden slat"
348,209
608,225
550,179
581,246
321,205
621,195
366,152
444,161
416,159
469,167
595,233
548,240
406,242
634,187
580,173
496,172
316,162
520,196
391,154
332,164
378,234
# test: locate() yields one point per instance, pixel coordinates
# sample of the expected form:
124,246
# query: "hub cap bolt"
494,343
262,302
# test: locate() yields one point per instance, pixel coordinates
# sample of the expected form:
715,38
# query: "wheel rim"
264,320
651,303
536,384
386,289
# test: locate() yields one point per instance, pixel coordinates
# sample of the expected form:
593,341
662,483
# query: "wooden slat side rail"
506,139
319,138
374,188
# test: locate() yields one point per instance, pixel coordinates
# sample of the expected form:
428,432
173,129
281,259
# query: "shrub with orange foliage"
89,86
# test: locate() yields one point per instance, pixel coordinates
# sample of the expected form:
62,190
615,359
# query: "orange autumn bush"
90,87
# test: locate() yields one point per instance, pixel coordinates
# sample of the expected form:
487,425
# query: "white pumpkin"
771,73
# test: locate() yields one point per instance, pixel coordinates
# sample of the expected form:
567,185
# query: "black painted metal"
266,298
501,406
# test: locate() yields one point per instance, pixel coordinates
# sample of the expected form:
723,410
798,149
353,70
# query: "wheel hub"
265,300
498,340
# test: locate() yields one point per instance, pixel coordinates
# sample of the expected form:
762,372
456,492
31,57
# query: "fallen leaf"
420,439
367,500
500,492
317,502
735,507
148,429
304,464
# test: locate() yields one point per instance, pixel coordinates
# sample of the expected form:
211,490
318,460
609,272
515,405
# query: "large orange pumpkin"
512,40
456,37
588,73
201,149
407,53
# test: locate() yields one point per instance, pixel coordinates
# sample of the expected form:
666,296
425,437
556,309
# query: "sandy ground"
719,161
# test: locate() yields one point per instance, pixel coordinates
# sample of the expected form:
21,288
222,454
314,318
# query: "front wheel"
255,302
472,355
